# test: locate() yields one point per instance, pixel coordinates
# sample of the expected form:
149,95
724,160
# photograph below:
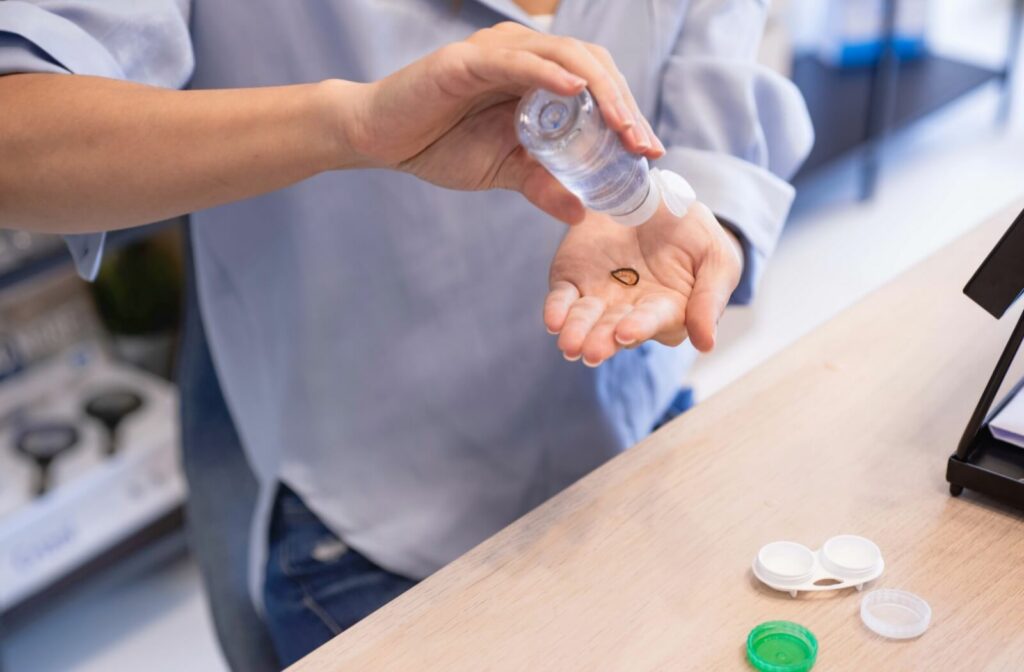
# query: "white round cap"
646,209
666,186
675,191
895,614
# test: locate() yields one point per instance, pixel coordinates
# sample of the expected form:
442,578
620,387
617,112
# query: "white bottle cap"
667,186
895,614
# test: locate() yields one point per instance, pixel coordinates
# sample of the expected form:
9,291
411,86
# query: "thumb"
714,284
522,173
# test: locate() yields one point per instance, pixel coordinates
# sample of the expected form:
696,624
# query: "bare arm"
88,154
83,154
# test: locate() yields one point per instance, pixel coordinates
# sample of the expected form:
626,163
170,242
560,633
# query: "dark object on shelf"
43,443
138,290
857,109
110,408
982,462
138,295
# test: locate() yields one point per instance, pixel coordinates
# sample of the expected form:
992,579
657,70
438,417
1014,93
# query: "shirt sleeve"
143,41
733,128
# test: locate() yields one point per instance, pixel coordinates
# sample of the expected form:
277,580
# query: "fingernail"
623,341
575,81
655,143
553,333
642,143
572,359
649,136
588,364
624,115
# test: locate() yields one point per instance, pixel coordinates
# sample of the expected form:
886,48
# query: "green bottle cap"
781,646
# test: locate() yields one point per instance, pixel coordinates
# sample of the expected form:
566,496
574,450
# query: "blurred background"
919,138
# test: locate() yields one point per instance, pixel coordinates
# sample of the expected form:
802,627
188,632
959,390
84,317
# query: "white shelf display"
81,471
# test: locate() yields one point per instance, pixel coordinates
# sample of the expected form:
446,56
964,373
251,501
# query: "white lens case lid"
895,614
845,561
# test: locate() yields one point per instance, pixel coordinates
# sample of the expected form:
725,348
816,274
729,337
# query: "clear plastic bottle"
568,136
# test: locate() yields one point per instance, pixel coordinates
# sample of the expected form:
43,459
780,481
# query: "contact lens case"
844,561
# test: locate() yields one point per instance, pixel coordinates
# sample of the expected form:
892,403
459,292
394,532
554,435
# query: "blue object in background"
853,32
855,55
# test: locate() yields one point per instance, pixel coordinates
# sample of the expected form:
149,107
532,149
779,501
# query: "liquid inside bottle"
568,136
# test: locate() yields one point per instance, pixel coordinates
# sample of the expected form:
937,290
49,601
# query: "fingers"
523,174
556,306
711,291
521,70
600,343
614,99
658,318
591,331
642,135
583,315
570,57
657,147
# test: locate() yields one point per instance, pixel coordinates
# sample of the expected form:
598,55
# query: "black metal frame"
880,104
982,462
883,92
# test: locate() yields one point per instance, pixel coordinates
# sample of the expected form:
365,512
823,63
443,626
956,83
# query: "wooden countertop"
645,564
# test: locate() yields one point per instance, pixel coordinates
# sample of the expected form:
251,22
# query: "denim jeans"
315,586
221,496
683,402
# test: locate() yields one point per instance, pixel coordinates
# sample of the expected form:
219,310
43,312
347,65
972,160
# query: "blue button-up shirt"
378,339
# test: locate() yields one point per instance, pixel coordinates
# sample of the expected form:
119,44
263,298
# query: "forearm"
84,154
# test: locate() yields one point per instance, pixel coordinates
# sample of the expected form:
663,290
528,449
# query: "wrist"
339,122
734,241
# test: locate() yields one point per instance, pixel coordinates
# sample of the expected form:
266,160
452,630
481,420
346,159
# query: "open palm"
687,268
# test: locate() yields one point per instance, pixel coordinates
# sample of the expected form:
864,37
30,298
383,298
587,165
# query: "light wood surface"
645,564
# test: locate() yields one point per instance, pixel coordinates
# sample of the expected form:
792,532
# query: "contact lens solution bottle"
568,136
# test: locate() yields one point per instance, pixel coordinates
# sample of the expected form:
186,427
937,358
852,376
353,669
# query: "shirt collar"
507,7
511,10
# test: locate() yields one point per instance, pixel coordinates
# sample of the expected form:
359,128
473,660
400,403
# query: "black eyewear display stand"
982,462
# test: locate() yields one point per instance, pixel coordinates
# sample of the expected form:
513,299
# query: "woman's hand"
688,268
448,118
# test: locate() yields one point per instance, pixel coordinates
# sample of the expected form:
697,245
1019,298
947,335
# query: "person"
373,335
